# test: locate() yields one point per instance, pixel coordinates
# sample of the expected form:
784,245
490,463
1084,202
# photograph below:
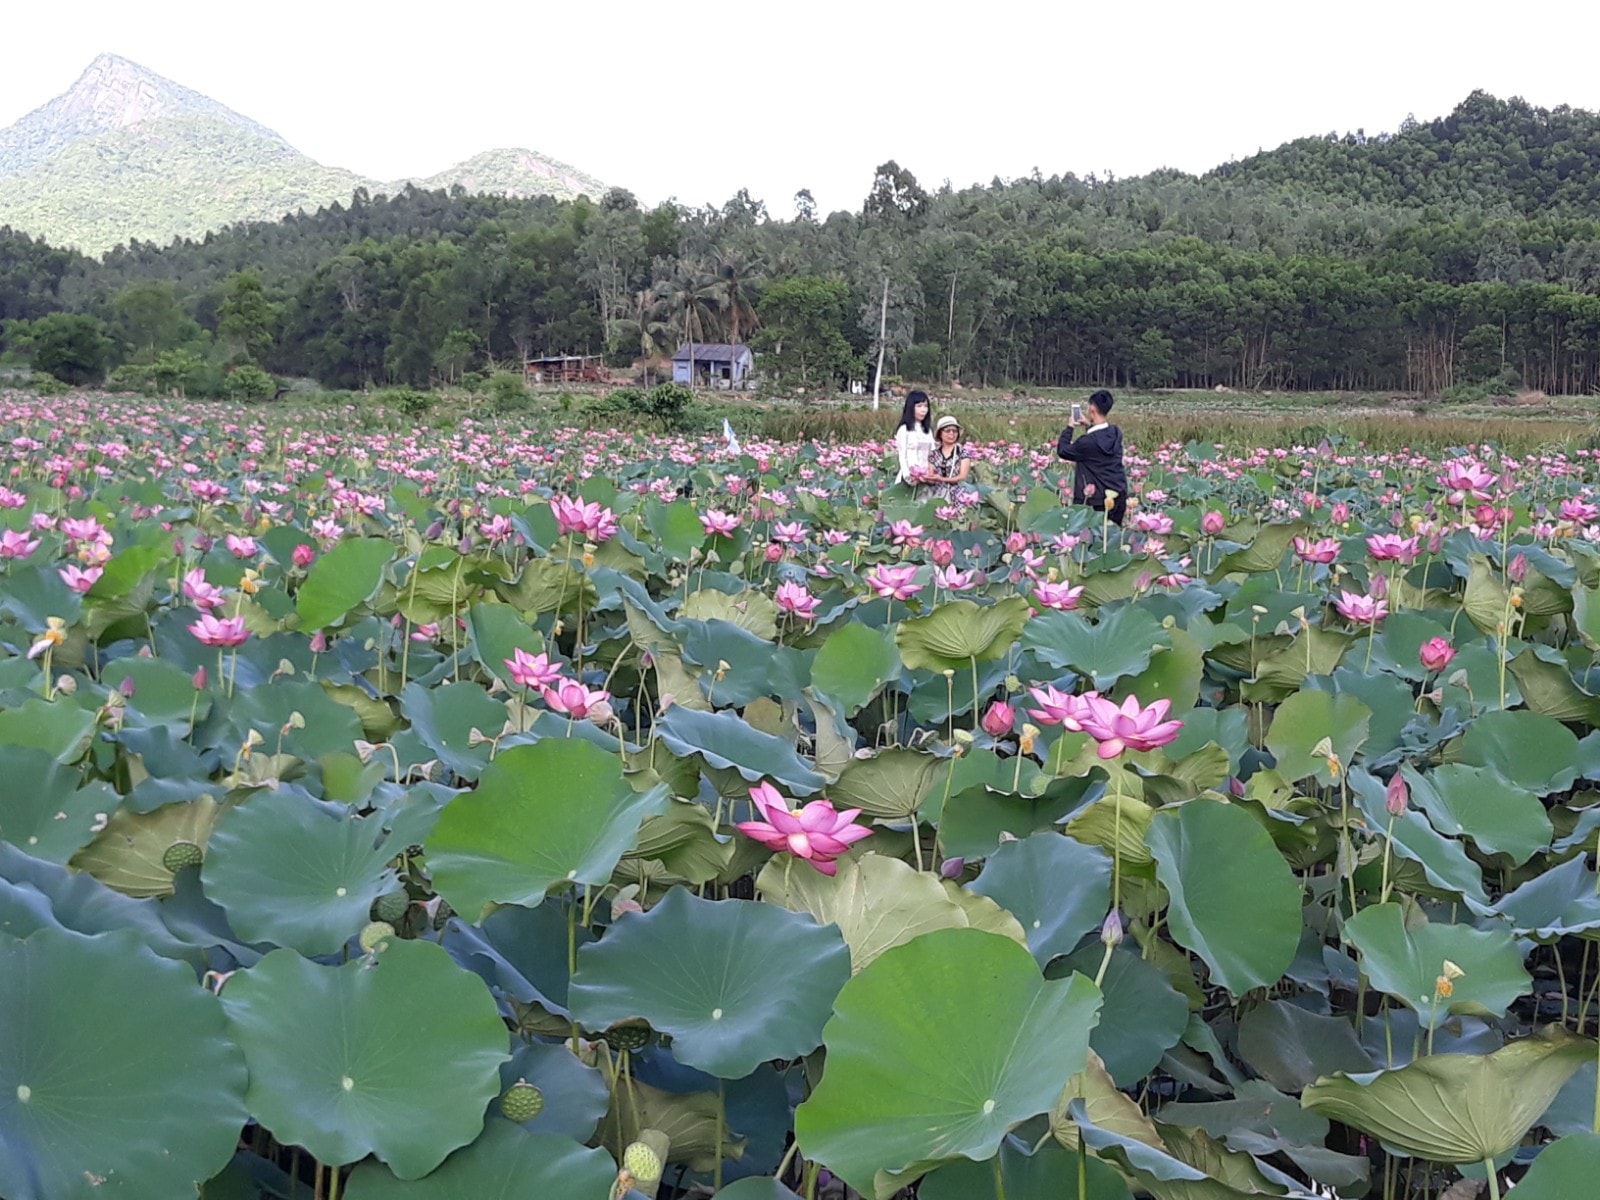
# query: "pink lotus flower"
1059,596
1128,727
1057,708
1317,550
818,832
572,699
1391,547
1016,542
79,580
240,547
1517,568
893,583
84,529
1340,513
1464,477
1213,523
718,522
905,533
795,598
16,545
789,533
497,530
1363,610
1397,796
952,579
1435,654
303,556
942,552
997,722
532,670
836,537
224,631
593,520
1577,510
204,596
425,633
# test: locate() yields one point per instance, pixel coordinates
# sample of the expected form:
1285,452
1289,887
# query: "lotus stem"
976,715
1494,1178
572,963
722,1116
1000,1174
1083,1168
1388,845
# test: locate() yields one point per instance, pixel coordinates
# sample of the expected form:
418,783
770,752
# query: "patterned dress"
941,463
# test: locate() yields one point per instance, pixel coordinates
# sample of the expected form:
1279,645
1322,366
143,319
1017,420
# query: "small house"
715,364
566,368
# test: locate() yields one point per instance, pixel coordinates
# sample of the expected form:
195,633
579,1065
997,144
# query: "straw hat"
944,423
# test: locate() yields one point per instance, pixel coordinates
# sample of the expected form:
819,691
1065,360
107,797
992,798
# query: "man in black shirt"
1097,456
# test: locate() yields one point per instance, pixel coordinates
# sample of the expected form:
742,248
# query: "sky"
693,104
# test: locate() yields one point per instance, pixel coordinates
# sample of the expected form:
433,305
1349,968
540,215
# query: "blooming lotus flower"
1391,547
1316,550
1057,708
1059,596
1363,610
224,631
593,520
1128,726
14,544
572,699
789,533
55,632
204,596
1213,523
1435,654
795,598
1578,510
532,670
1151,522
79,579
497,530
818,832
718,522
1464,477
952,579
1016,542
893,582
999,719
240,547
835,537
84,529
425,633
1340,513
905,533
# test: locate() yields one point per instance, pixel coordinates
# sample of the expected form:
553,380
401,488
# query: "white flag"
733,438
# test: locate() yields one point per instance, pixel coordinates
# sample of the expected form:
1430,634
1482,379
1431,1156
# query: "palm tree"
688,301
642,327
737,277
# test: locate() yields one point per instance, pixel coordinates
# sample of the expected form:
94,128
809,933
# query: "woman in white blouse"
913,440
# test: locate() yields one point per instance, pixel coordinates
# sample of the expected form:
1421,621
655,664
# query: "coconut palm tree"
688,302
736,278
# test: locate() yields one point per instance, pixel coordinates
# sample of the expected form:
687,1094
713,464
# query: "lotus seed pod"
375,936
391,907
180,855
630,1035
521,1102
646,1159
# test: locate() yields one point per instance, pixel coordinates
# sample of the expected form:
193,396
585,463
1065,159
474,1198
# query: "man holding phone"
1097,456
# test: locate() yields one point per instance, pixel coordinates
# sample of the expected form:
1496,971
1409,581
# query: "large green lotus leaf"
935,1051
116,1072
676,527
1314,651
891,784
876,901
690,1121
1564,1169
1486,601
1144,1015
853,664
288,871
397,1056
1400,642
1184,1165
556,811
1103,1103
345,577
444,719
1479,803
498,630
1303,720
1121,643
545,586
735,665
1548,688
127,854
1057,887
752,611
1235,901
1530,749
977,819
1264,552
1480,664
956,633
1174,674
1049,1173
325,726
1444,860
757,1187
1405,963
505,1163
1291,1047
1455,1108
59,727
1563,900
703,972
1391,700
44,812
1117,823
1227,727
575,1094
163,693
724,740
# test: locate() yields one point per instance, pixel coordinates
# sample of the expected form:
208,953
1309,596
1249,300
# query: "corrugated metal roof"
711,352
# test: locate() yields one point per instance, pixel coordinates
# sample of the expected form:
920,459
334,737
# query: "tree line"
1464,251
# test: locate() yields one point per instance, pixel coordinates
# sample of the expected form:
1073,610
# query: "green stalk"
1000,1175
1494,1178
722,1117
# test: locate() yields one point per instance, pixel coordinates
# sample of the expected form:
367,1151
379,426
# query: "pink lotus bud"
1397,797
177,547
302,556
1016,541
199,679
1340,513
1435,654
319,642
774,552
950,868
942,551
1517,568
998,720
126,686
1111,931
1213,523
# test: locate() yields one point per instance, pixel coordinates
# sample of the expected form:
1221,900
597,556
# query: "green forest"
1453,253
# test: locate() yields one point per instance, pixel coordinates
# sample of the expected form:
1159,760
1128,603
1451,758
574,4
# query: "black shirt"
1098,456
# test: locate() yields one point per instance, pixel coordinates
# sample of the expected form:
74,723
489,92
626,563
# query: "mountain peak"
112,94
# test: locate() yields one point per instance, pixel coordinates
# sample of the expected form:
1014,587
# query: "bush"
408,402
249,382
132,377
507,391
667,403
923,362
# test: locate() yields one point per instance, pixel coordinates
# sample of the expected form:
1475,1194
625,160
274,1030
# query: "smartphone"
1077,413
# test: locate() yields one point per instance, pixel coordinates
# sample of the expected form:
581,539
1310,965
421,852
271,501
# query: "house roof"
715,352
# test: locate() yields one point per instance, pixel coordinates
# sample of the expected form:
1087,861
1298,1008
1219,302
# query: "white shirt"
914,445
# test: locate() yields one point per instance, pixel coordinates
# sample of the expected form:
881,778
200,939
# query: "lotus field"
498,812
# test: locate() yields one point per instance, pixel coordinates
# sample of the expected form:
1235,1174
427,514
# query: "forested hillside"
1461,251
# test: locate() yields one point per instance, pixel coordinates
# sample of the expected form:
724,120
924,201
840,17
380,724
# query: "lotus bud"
302,556
126,687
1517,569
1111,929
1397,796
199,679
998,720
66,685
950,868
1435,654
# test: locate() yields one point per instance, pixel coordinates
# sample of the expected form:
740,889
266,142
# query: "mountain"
126,154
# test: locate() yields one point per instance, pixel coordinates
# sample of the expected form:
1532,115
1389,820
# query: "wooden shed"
566,368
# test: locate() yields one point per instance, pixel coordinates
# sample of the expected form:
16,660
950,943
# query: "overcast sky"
694,102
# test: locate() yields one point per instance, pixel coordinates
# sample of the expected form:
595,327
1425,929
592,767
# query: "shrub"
249,382
667,403
507,391
408,402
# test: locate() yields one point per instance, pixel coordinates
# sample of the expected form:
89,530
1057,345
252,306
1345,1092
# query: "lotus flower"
572,699
1213,523
942,552
240,547
497,530
1391,547
531,670
718,522
1578,510
303,556
593,520
204,596
1397,797
905,533
1436,653
79,579
952,579
1363,610
1463,477
818,833
1059,596
1317,550
1128,727
223,631
1057,708
795,598
789,533
1016,542
893,583
55,632
997,722
14,544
